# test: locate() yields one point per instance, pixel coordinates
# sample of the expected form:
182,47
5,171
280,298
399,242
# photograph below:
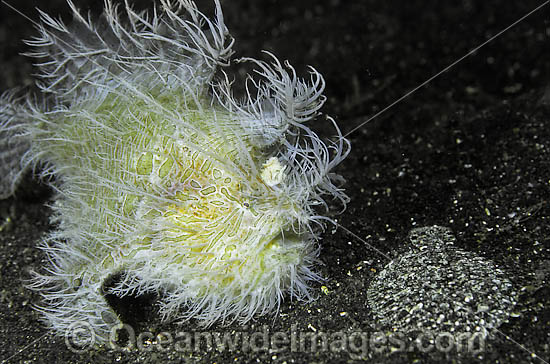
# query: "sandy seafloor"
469,151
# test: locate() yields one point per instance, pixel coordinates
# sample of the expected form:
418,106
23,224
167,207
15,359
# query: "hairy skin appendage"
161,176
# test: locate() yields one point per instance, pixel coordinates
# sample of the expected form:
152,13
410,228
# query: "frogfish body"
162,176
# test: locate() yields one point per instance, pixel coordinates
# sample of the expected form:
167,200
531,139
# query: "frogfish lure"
161,176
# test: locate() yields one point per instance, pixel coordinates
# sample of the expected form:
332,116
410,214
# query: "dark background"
474,140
